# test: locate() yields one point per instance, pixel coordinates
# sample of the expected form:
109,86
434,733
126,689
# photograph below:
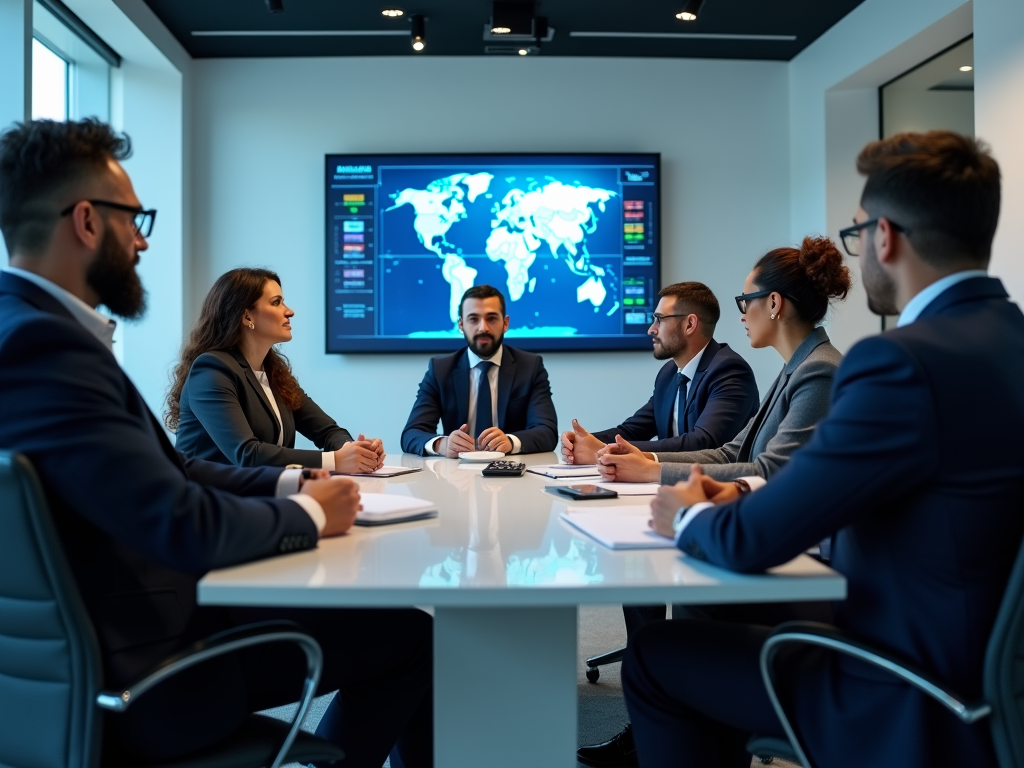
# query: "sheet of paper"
617,529
632,489
565,470
384,471
391,508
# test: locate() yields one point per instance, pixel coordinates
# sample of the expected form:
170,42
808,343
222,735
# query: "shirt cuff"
312,508
656,459
517,444
685,519
288,482
429,447
327,461
754,482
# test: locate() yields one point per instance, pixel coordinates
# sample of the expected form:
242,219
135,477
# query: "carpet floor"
602,711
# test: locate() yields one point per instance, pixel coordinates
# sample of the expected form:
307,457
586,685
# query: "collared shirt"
98,325
917,304
474,387
689,371
103,329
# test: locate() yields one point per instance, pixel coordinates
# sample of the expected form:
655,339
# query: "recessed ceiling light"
966,68
523,51
392,13
500,30
690,10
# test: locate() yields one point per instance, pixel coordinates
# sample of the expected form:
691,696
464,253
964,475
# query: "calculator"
504,469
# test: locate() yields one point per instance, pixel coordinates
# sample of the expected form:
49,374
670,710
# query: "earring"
773,316
252,325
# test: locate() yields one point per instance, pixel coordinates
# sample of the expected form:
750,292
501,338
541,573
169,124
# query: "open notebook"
623,527
384,508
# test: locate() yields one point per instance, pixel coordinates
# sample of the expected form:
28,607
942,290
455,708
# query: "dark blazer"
226,417
917,474
798,399
524,401
722,398
140,522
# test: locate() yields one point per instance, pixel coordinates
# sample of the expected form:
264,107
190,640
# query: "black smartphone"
584,492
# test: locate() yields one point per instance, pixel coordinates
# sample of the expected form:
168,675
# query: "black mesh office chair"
50,670
1003,682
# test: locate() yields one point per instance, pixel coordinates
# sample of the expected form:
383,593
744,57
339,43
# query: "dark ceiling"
456,27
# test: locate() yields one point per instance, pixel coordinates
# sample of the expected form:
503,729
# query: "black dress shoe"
618,752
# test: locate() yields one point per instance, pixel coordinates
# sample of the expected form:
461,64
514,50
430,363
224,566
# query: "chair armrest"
826,636
223,643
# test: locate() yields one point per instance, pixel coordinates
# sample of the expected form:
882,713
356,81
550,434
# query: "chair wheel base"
766,760
593,673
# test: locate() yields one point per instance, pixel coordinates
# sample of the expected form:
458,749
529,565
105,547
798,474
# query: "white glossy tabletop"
496,542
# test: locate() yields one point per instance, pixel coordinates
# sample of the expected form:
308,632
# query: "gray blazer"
786,419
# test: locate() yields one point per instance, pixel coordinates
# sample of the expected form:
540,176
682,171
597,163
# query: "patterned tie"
681,412
484,419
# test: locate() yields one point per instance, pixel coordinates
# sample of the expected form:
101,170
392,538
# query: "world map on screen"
546,234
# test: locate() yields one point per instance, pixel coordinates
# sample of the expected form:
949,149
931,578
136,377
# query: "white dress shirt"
474,387
917,304
103,329
683,394
326,458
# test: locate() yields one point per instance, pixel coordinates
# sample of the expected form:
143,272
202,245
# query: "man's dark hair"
697,299
942,187
483,292
40,162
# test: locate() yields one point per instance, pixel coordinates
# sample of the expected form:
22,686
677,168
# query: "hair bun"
823,264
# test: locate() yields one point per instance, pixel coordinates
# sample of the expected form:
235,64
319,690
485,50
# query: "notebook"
382,472
384,508
565,470
617,527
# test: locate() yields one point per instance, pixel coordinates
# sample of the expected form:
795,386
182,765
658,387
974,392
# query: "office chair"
50,668
1003,673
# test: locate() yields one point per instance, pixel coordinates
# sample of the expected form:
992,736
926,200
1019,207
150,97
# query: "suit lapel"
766,407
257,388
689,411
506,375
461,382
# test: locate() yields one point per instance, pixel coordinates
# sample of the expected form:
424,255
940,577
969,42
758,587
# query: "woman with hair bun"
785,297
234,399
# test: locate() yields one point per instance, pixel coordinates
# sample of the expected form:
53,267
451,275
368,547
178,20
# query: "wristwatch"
742,485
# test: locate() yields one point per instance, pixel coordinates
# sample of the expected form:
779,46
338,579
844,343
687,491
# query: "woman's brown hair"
810,275
219,328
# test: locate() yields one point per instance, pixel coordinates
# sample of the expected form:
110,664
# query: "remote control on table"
504,469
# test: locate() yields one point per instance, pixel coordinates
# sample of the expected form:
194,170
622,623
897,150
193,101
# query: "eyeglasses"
142,219
743,298
851,235
660,318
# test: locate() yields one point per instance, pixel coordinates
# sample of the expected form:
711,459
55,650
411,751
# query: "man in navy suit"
703,396
924,525
488,397
141,524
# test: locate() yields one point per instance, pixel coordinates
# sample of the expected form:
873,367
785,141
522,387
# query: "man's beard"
112,275
881,288
488,353
663,352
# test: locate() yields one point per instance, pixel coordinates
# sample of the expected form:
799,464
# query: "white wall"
15,69
262,127
999,118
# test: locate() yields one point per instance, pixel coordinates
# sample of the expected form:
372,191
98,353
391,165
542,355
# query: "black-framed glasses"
141,218
851,235
660,318
743,298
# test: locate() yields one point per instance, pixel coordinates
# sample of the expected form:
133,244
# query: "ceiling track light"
690,10
392,13
419,32
275,6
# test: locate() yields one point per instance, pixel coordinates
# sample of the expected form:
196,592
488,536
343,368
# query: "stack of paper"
565,470
618,527
383,508
382,472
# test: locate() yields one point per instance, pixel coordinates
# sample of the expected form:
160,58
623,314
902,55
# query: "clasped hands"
359,456
620,461
337,496
460,441
671,498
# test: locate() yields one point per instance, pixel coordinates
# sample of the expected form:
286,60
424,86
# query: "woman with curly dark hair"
234,399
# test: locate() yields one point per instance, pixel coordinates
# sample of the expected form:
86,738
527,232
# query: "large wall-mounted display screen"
571,240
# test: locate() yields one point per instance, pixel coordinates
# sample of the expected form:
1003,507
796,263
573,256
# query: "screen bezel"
621,343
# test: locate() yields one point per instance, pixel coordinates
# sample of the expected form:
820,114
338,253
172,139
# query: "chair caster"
766,760
593,673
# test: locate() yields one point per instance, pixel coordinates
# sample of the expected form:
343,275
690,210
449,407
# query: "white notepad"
565,470
632,489
618,527
382,472
383,508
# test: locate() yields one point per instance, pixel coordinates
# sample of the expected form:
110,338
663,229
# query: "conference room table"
504,577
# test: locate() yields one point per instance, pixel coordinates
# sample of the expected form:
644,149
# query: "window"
49,83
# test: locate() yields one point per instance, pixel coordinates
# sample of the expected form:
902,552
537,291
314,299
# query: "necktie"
484,419
681,401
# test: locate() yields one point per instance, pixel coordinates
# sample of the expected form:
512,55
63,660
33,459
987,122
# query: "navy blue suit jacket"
917,474
722,399
140,524
524,401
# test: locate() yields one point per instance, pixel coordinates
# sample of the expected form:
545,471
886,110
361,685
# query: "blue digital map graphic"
549,239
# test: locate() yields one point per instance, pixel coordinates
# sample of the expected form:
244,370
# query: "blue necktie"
484,419
681,395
